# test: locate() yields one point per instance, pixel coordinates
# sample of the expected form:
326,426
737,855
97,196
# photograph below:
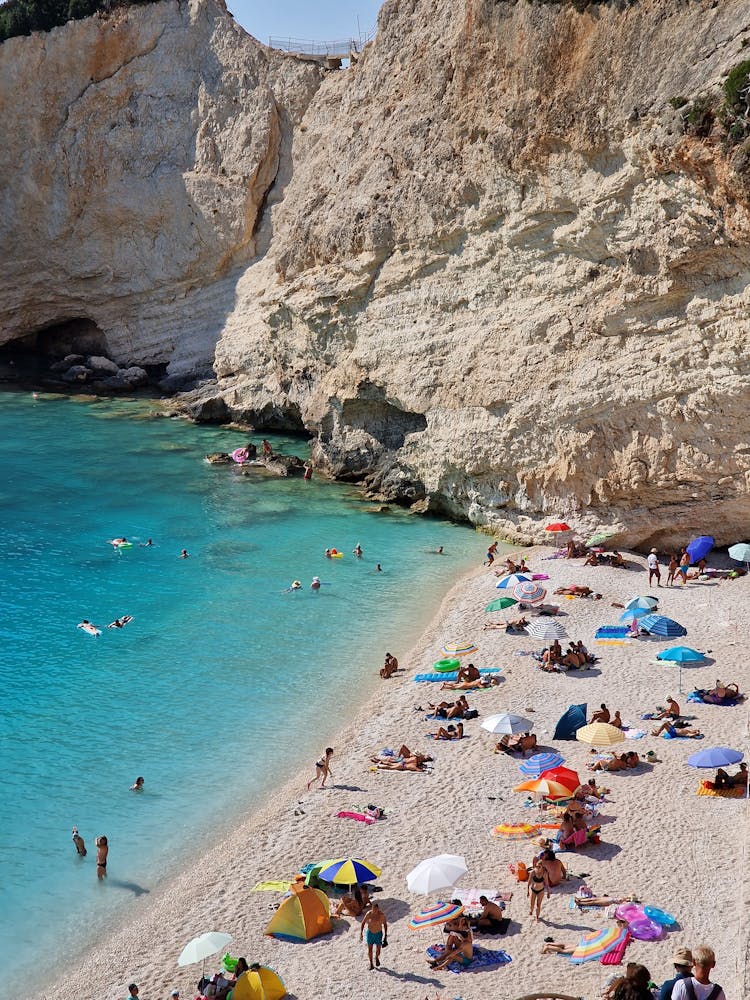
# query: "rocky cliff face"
486,267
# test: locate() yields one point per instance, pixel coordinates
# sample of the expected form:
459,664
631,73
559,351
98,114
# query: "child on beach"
322,769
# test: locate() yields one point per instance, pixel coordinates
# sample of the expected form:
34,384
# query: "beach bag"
520,870
579,837
471,713
690,990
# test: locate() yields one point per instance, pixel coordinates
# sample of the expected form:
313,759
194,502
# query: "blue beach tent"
569,722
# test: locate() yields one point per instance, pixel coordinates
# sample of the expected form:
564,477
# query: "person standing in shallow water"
102,850
79,843
491,553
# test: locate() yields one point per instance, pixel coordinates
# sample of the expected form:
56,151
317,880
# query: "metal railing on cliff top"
339,49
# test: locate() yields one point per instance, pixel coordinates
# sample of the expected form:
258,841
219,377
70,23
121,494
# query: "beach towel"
360,817
615,956
483,957
611,642
721,793
271,887
634,734
470,897
453,675
611,632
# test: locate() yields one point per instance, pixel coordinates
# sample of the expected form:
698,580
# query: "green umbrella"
501,604
602,536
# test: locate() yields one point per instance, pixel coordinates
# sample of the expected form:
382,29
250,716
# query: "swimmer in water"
357,551
378,568
117,542
79,844
184,554
120,622
138,786
88,627
328,553
315,585
296,585
147,544
439,550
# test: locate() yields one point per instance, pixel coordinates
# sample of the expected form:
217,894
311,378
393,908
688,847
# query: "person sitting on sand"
616,559
449,733
601,715
587,790
672,711
524,742
390,666
548,663
616,720
572,659
555,869
510,565
592,559
491,919
468,673
523,567
668,731
462,951
722,691
354,905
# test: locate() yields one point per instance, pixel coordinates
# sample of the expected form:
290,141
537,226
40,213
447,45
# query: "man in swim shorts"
376,927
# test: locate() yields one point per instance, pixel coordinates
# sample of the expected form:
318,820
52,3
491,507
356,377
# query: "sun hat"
654,551
682,956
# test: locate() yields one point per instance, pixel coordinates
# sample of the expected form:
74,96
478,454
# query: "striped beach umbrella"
501,603
595,945
666,628
546,629
517,831
600,734
547,788
650,603
510,581
459,648
349,871
540,762
433,915
529,592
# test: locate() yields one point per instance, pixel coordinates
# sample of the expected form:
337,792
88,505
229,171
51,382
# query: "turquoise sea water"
210,691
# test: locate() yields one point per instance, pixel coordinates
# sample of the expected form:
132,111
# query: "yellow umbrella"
547,787
259,983
600,734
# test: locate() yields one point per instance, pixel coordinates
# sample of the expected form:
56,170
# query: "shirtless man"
468,673
672,711
616,764
102,850
481,682
376,925
491,917
602,715
451,733
460,949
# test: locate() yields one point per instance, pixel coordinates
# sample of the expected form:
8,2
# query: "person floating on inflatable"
120,622
88,627
315,585
335,554
328,553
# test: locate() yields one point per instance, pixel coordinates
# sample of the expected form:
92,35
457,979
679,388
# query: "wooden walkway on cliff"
329,54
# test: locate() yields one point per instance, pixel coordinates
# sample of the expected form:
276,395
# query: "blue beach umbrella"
633,614
512,580
651,603
715,757
681,655
699,548
664,627
540,762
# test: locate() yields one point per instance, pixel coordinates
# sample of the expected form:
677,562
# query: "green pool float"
446,666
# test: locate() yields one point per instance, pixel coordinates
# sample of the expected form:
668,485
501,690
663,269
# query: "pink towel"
615,956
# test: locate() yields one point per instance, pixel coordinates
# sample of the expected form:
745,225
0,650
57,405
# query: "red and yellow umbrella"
516,831
547,788
563,775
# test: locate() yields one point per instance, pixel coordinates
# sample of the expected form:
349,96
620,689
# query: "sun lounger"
483,958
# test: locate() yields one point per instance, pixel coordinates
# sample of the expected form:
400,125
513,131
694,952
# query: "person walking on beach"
102,850
375,925
682,569
79,844
672,569
699,986
653,568
322,769
536,886
491,553
133,990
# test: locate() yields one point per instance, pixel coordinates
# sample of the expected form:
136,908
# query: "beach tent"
569,722
303,915
260,983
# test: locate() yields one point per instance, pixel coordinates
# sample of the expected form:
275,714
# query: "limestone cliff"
492,271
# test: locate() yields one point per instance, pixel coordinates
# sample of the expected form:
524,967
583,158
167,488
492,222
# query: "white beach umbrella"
432,874
740,553
202,947
507,723
548,629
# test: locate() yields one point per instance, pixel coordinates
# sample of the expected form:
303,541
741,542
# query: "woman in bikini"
102,850
322,769
536,886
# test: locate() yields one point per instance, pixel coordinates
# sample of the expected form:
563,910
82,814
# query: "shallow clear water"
215,646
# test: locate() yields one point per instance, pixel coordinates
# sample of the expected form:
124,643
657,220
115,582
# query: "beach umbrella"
633,614
546,787
546,629
259,983
715,757
529,592
699,548
459,648
433,915
558,526
348,871
597,944
540,576
740,553
563,775
510,581
432,874
517,831
202,947
599,734
541,762
662,626
600,537
501,603
651,603
506,723
681,655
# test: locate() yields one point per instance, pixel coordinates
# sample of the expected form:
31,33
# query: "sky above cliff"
325,20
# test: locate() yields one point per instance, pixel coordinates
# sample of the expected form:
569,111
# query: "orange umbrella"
547,788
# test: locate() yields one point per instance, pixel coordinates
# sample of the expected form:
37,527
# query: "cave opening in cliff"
34,352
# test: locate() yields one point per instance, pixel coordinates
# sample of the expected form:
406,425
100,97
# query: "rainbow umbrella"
597,944
438,913
539,763
516,831
600,734
501,603
511,581
348,871
529,592
547,788
459,648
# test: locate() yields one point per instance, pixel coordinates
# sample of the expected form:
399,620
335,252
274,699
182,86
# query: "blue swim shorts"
373,937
